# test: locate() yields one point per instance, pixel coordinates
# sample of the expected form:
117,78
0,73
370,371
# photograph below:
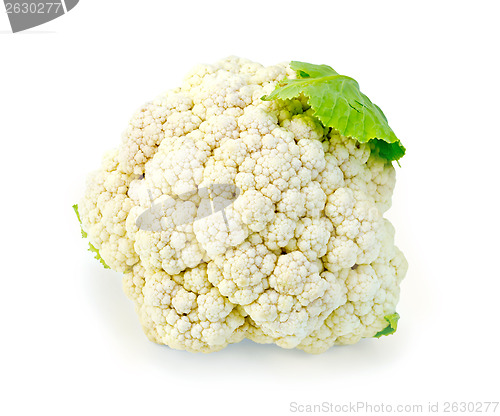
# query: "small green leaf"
84,235
98,256
338,103
392,319
75,208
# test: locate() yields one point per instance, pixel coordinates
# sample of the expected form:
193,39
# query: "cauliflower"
241,205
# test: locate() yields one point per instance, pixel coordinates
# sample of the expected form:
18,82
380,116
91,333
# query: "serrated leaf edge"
84,235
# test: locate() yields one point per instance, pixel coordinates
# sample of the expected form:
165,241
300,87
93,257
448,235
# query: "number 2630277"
32,8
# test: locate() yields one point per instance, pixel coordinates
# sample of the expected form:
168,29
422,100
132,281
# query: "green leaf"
338,103
84,235
305,70
98,256
392,319
75,208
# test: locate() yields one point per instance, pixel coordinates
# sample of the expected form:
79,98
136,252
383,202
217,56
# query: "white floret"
255,209
372,292
165,238
292,204
241,273
149,127
224,90
215,236
332,177
279,232
257,121
182,319
304,126
178,165
298,301
219,128
269,74
315,199
358,220
275,165
312,235
104,210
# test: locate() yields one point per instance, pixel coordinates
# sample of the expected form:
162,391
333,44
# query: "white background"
71,343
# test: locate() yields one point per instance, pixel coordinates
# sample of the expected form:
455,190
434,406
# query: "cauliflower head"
232,216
